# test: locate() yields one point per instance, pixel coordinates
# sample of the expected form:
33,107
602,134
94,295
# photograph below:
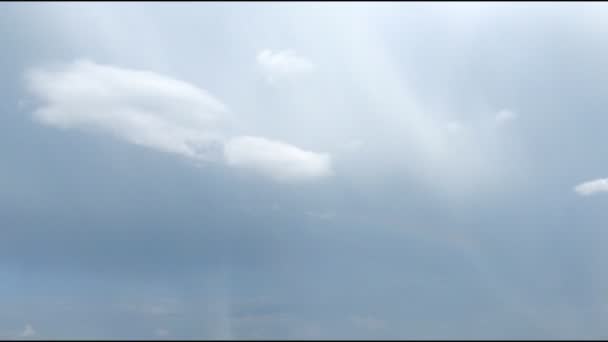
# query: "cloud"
280,161
592,187
165,114
28,331
283,63
505,116
141,107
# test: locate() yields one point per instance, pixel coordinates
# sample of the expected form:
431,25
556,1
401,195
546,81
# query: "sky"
309,170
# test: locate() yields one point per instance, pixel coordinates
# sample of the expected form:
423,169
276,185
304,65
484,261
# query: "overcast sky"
303,170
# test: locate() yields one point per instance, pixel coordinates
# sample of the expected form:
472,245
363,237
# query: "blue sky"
305,170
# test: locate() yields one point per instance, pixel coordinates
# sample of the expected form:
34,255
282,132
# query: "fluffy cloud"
281,161
592,187
505,116
141,107
283,63
165,114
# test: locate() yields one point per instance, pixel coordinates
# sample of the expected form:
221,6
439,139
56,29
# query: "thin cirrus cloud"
161,113
281,64
592,187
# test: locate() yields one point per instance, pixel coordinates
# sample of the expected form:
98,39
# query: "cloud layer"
168,115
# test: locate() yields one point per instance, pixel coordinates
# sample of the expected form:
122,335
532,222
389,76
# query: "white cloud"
283,63
279,160
28,331
505,116
141,107
168,115
592,187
